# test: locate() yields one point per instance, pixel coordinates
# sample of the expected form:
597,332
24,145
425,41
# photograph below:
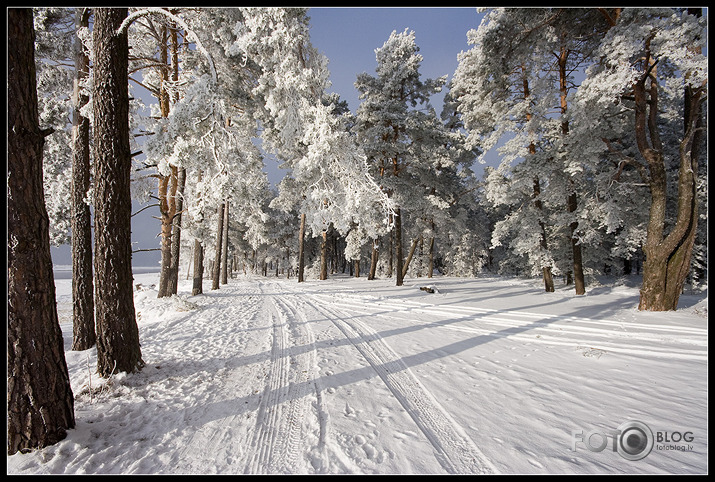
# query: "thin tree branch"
144,208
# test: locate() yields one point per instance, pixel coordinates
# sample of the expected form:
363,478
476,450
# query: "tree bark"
431,255
579,280
391,254
667,257
301,249
545,270
117,332
219,243
166,215
409,256
572,201
179,178
324,257
167,184
198,286
83,333
176,233
398,246
40,404
373,261
224,247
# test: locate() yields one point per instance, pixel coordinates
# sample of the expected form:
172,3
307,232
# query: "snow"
347,375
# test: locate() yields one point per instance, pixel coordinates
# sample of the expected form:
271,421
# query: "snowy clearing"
487,375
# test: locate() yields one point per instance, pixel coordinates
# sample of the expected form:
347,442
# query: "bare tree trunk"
431,255
406,266
198,286
324,257
176,233
420,256
179,179
667,257
356,262
301,249
40,404
391,254
83,333
572,201
398,246
167,184
373,261
118,347
219,242
546,270
576,249
224,249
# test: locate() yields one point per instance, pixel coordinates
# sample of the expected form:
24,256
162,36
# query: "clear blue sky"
348,36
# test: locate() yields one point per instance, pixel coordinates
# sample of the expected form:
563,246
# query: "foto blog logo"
632,440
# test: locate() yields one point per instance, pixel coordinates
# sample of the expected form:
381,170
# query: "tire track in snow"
279,436
454,450
676,343
217,419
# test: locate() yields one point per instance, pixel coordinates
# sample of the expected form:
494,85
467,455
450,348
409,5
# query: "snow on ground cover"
484,375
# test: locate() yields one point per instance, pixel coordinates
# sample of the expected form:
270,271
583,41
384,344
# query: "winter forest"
597,119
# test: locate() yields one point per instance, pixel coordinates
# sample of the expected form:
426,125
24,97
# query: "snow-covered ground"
347,375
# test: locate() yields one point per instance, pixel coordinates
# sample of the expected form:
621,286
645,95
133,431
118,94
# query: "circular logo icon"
635,440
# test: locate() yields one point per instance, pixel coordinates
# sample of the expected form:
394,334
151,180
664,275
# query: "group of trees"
603,165
597,115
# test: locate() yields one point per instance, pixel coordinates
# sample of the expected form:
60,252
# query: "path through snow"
266,376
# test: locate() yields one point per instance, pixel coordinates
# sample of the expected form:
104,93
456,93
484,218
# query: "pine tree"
84,335
117,332
385,120
653,80
40,401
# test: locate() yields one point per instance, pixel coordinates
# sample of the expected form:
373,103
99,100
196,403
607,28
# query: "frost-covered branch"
149,10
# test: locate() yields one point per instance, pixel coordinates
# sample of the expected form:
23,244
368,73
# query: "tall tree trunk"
219,243
356,262
579,279
391,254
83,333
288,263
572,201
545,269
398,246
179,178
667,257
406,266
301,249
324,257
198,286
373,261
224,247
420,257
118,347
334,256
167,184
176,233
40,404
431,252
166,216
